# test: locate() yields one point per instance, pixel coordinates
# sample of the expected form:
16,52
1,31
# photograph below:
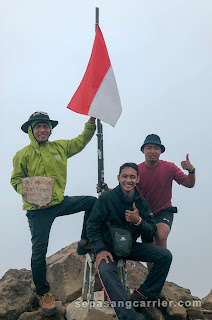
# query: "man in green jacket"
49,159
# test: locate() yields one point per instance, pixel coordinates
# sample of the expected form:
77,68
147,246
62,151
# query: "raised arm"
78,144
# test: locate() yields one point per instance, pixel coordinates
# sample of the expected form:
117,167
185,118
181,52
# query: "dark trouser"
146,252
40,222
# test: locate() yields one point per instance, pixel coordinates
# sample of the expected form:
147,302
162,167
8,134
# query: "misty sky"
161,56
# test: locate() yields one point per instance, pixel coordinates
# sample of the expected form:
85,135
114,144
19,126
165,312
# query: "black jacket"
111,206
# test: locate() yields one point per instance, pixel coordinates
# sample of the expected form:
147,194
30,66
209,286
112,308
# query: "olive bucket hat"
38,116
153,139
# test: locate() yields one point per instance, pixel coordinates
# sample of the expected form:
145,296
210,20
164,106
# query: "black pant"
40,222
146,252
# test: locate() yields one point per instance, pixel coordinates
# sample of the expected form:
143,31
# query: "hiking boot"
139,301
145,306
47,303
162,295
83,247
138,296
160,301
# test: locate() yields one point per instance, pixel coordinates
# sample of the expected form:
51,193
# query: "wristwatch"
192,171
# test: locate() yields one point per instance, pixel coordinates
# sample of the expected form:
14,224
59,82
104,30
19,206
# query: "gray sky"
161,55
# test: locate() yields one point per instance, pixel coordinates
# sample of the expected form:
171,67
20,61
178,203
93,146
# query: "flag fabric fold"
97,94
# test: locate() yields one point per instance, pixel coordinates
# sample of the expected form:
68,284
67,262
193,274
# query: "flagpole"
100,136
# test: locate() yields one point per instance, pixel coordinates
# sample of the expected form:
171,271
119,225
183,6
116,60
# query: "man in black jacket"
123,207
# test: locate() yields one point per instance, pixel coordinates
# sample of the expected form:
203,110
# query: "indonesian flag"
97,94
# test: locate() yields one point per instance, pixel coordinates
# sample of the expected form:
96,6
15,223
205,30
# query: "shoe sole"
49,312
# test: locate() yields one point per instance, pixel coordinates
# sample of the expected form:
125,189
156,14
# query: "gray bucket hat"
153,139
38,116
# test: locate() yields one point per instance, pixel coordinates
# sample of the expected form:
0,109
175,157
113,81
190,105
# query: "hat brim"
160,145
25,126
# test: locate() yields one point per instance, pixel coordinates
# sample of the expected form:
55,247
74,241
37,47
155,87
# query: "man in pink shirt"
156,177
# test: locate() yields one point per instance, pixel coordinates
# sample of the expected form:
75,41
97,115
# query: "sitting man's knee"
105,267
167,255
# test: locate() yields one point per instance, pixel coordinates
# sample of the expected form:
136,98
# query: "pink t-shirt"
156,183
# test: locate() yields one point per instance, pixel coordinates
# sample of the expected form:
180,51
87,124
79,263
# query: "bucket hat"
153,139
38,116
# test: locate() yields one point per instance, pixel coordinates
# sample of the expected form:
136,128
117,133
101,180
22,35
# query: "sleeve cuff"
90,125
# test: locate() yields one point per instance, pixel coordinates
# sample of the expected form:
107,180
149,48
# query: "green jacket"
48,159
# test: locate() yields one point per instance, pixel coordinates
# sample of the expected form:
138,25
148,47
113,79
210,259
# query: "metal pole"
97,18
100,137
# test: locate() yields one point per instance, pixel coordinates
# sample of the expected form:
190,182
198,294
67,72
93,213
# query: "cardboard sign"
37,190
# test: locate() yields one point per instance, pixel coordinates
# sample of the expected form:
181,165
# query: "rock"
65,270
37,190
78,309
173,310
178,299
194,314
181,295
38,315
207,314
98,315
207,301
136,272
16,294
18,300
176,313
151,313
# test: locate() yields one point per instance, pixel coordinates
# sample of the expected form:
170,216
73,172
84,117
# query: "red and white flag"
97,94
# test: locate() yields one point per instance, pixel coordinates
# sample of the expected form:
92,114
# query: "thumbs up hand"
132,216
186,165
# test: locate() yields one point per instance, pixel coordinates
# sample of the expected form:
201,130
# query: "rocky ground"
18,300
